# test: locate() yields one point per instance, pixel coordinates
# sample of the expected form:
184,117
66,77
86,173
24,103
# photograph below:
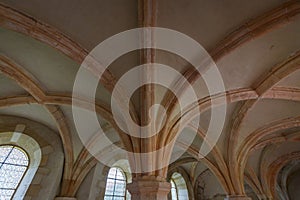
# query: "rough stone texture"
149,190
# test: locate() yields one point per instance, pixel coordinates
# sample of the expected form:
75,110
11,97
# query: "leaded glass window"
174,190
115,185
13,165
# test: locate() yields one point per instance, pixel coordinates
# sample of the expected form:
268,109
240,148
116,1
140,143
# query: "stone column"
65,198
237,197
149,189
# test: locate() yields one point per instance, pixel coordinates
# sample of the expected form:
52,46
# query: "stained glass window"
174,190
13,165
115,185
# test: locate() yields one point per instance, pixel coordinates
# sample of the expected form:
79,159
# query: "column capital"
149,189
237,197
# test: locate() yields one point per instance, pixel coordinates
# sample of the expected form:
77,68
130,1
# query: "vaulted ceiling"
255,45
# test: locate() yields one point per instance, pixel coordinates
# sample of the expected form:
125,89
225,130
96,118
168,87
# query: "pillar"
149,189
65,198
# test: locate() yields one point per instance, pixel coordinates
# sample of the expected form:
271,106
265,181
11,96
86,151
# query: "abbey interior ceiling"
254,46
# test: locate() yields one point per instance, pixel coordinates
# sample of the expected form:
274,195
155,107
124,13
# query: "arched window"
178,187
13,165
174,193
115,185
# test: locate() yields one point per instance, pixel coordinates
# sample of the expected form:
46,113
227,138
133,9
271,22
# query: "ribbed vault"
256,51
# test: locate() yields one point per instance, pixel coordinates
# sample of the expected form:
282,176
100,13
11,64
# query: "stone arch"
182,181
204,189
43,146
33,151
99,177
